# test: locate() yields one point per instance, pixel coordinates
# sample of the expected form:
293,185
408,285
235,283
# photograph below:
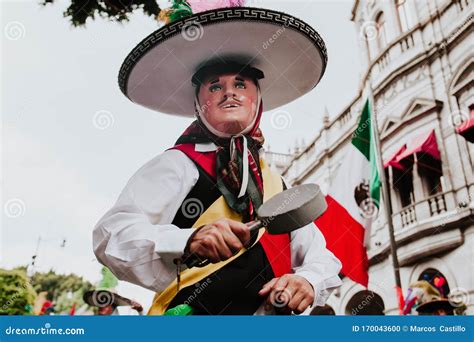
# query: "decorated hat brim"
434,305
157,73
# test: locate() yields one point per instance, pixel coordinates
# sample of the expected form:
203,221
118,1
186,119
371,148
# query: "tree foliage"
116,10
16,292
59,286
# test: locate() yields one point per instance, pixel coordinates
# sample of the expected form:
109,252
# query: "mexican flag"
353,200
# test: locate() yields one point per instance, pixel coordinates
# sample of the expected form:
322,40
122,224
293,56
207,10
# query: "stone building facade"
419,59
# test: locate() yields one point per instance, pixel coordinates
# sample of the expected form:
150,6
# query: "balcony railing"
423,210
408,216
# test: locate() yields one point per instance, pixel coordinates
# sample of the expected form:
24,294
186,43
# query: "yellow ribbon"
272,185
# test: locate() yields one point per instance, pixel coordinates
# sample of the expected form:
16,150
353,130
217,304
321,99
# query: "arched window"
436,279
405,19
381,31
462,89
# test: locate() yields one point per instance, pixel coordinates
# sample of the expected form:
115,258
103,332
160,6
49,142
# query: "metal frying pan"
285,212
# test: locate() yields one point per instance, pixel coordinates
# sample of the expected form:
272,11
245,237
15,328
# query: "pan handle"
194,261
254,225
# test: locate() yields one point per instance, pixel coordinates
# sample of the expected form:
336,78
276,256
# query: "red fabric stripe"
276,247
345,238
206,160
278,252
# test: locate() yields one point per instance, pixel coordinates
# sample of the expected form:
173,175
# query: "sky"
71,139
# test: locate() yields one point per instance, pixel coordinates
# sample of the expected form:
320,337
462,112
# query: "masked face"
228,102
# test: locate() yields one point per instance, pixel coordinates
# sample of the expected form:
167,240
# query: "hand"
137,306
289,292
219,240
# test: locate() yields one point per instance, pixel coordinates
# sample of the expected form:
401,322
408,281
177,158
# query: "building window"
403,185
405,20
381,31
430,173
436,279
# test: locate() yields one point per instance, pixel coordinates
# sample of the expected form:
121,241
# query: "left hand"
137,306
290,292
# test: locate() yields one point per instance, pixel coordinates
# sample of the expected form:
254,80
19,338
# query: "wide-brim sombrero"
434,305
157,73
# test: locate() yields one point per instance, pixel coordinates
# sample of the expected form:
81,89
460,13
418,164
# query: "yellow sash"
272,184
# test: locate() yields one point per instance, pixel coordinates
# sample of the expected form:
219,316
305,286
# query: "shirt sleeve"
312,260
135,239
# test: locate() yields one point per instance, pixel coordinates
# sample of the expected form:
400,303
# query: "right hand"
219,240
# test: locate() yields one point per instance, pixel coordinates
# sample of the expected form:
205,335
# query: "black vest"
232,290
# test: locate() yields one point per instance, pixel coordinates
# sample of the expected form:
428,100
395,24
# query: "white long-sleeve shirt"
138,243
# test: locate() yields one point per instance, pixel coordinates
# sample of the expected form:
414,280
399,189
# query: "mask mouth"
230,104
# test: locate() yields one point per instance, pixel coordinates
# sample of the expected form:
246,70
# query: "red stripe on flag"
345,238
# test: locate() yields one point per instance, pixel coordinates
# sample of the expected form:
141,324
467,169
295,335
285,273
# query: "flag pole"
385,187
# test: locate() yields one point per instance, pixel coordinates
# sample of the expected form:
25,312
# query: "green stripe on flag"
364,140
361,136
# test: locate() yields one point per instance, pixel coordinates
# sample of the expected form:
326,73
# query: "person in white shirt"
214,179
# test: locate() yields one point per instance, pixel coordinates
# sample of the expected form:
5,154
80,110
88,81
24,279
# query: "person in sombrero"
222,67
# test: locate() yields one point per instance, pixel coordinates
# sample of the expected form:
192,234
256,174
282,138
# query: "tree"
16,292
59,286
116,10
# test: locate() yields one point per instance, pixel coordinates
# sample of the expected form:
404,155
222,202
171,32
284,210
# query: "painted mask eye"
240,85
214,88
